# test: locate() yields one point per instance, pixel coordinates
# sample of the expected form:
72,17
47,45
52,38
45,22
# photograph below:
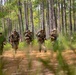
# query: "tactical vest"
41,37
53,37
28,36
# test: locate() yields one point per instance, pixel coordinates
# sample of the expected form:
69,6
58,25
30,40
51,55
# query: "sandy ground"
28,63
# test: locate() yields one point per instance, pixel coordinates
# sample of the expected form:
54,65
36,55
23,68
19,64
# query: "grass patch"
7,46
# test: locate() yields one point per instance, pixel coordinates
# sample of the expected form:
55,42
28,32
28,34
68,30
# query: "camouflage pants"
15,45
42,46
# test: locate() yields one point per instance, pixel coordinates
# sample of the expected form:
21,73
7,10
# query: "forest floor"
28,63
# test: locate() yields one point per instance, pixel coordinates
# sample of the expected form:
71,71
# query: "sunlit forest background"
35,15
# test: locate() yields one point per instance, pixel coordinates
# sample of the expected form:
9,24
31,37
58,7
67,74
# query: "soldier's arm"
51,36
38,34
31,34
18,35
45,36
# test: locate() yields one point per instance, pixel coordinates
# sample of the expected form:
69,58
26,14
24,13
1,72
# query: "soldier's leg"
12,44
40,47
16,45
43,46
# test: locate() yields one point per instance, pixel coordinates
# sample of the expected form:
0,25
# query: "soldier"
28,36
54,37
41,39
14,39
2,43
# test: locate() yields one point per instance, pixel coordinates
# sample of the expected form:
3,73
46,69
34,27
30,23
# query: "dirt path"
24,63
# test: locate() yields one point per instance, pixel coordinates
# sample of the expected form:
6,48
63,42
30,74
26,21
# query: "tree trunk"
65,16
9,25
47,19
74,15
70,17
62,17
26,14
50,16
55,13
19,24
4,26
31,18
42,15
59,23
20,18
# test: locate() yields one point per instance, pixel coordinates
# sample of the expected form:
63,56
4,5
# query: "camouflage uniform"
11,38
54,37
41,36
2,42
14,39
28,36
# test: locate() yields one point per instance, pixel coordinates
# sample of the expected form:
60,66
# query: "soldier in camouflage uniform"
41,36
54,37
28,36
2,43
14,39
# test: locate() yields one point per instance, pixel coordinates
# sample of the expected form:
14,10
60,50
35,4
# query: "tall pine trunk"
47,20
65,16
59,19
31,18
42,15
62,17
20,18
50,16
70,17
55,13
26,14
74,15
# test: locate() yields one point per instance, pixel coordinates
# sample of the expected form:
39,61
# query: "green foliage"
62,68
48,66
48,44
73,40
7,46
63,65
35,42
22,45
62,42
1,66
